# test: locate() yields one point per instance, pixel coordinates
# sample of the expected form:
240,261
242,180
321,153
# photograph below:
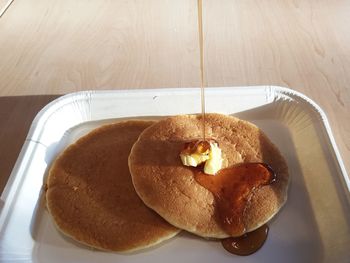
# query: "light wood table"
56,47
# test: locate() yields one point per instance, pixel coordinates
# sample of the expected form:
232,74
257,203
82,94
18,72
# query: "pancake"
170,188
91,198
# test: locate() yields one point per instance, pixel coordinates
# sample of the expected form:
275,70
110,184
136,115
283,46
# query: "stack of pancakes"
123,187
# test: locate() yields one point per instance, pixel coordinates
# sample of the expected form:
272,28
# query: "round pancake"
91,197
169,187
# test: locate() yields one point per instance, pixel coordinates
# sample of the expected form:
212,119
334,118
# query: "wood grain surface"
57,47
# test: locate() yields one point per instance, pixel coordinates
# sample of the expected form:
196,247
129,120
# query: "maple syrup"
232,187
200,37
248,243
200,147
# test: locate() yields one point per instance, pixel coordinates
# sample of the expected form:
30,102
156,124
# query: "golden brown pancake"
170,188
91,197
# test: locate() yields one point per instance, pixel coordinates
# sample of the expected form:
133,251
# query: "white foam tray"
312,227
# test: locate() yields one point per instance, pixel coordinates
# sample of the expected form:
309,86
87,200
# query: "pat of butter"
214,163
212,158
193,159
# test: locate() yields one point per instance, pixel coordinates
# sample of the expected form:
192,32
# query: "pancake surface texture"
170,188
91,197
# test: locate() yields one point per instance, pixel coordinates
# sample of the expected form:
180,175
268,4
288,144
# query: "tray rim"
13,183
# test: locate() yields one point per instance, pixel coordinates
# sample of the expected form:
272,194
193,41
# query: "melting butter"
206,152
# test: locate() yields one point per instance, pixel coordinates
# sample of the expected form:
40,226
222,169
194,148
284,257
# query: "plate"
313,226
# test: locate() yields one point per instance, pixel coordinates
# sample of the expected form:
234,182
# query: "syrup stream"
200,37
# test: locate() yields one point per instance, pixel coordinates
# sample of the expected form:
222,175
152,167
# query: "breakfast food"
91,198
173,190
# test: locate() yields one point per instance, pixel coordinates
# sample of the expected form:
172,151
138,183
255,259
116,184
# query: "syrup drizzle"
232,208
200,38
233,188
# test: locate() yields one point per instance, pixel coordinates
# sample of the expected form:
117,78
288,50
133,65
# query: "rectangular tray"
312,227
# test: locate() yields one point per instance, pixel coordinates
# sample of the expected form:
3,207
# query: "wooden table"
56,47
